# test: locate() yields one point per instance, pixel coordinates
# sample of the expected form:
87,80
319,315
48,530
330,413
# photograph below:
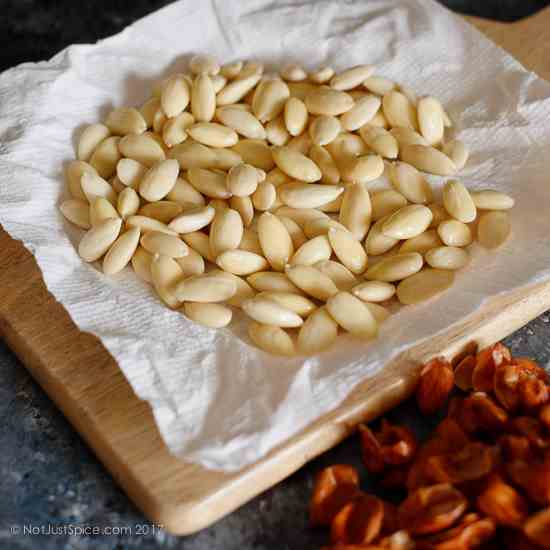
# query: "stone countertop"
48,476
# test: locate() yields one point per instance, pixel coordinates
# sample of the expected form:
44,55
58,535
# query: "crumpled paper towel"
216,399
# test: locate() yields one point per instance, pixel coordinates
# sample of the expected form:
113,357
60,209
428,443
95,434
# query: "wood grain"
84,380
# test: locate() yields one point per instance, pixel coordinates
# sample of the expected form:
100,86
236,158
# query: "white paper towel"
217,400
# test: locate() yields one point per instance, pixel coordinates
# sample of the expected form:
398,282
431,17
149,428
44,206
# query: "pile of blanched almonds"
234,188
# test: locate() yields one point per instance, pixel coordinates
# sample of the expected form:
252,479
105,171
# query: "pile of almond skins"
234,188
482,480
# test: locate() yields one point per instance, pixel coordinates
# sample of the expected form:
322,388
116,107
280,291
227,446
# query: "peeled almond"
379,85
407,222
269,312
300,144
159,180
244,290
320,226
395,267
95,186
308,195
213,134
130,172
407,136
296,165
439,214
226,231
226,159
174,96
77,212
424,285
209,183
295,116
312,251
351,78
193,219
457,152
361,113
241,262
340,275
163,211
100,210
142,148
378,242
324,129
356,210
385,202
352,315
428,159
255,152
165,275
492,200
174,131
192,263
200,242
447,257
203,98
380,141
148,224
293,73
159,120
294,230
149,109
421,243
300,215
265,196
348,250
121,252
270,281
242,180
321,75
399,110
327,101
430,119
244,206
106,156
379,120
243,122
141,262
458,202
410,183
237,89
90,138
312,281
231,70
193,155
275,241
318,332
157,242
185,194
205,288
329,171
204,64
374,291
74,172
271,339
276,132
454,233
97,241
251,242
208,315
270,100
125,121
493,229
362,169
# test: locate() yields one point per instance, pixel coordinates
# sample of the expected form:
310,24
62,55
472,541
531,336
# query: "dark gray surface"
48,476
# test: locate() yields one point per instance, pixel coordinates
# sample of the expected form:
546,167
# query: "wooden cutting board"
84,380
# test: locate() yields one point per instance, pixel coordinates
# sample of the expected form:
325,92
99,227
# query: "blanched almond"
270,100
206,64
295,116
116,184
142,148
340,275
295,164
379,120
362,169
244,290
492,200
206,288
377,242
329,171
294,230
493,228
318,332
251,242
200,242
90,138
271,281
244,206
312,281
300,144
351,78
308,195
327,101
439,214
101,209
159,120
124,121
157,242
265,196
407,222
300,215
430,119
321,75
356,210
293,73
454,233
231,70
77,212
185,194
166,275
421,243
99,239
106,155
271,339
361,113
324,129
174,131
407,136
130,172
424,285
379,85
410,183
208,315
149,109
203,98
209,183
121,252
241,262
312,251
348,250
174,96
95,186
352,315
275,241
148,224
320,226
226,159
269,312
457,152
193,155
163,211
380,141
218,82
395,267
242,180
213,134
255,152
141,262
159,180
385,202
399,111
74,172
428,159
374,291
226,231
192,263
458,202
332,206
243,122
237,89
447,257
276,132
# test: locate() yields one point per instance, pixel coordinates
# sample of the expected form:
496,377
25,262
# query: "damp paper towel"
217,400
